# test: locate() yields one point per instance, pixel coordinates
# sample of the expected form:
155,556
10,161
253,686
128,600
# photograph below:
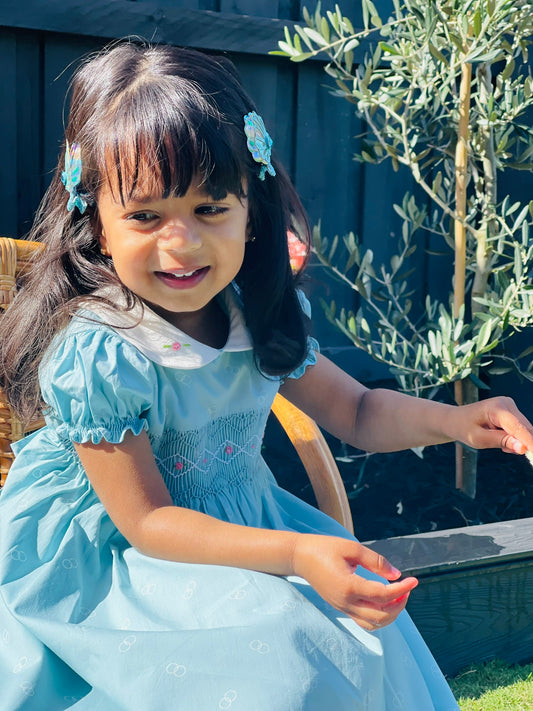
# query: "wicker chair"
301,430
15,255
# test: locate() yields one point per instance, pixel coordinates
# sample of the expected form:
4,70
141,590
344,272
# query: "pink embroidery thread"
176,346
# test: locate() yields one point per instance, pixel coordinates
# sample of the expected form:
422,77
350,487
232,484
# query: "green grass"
494,686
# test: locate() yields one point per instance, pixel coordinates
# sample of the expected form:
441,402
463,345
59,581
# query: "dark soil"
400,494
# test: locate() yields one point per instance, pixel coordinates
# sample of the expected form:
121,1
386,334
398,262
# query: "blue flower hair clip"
71,178
259,143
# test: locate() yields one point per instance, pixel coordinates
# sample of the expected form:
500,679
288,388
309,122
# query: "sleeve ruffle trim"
312,349
113,433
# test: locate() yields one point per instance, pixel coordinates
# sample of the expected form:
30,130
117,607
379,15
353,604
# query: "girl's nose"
180,237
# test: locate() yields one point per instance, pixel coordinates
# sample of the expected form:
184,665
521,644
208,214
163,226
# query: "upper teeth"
188,274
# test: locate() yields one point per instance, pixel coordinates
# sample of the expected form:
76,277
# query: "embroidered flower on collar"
176,346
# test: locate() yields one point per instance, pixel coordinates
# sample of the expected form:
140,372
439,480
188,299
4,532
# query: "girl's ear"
98,231
103,244
102,240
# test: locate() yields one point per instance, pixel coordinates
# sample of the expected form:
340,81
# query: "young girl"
148,560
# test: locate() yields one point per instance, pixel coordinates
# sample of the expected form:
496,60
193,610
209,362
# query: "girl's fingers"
505,427
373,619
517,442
511,445
381,593
375,563
374,602
372,606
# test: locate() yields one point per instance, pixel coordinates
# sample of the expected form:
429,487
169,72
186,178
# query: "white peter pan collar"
162,342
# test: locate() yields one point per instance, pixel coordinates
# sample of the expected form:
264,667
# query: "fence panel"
9,174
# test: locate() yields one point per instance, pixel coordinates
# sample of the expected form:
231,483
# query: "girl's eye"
142,216
211,209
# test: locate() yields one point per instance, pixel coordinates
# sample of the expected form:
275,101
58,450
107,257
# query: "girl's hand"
495,422
329,564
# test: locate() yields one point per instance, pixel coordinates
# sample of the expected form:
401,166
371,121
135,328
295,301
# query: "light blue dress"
89,623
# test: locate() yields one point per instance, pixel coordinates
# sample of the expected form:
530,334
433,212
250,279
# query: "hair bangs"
151,147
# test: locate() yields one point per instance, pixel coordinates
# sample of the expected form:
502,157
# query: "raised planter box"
474,601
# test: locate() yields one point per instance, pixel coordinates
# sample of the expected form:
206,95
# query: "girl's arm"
127,481
385,420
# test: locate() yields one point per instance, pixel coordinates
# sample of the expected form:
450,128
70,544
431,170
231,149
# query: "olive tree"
444,89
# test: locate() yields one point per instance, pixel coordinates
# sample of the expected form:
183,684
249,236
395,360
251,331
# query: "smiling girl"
148,559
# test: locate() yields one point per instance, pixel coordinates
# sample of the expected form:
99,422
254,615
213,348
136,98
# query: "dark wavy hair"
164,115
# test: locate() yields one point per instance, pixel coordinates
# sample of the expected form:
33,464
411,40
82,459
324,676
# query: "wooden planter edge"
474,601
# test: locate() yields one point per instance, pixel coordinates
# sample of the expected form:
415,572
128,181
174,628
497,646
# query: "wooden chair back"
301,429
317,460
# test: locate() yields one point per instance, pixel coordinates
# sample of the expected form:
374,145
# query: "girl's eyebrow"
143,199
139,200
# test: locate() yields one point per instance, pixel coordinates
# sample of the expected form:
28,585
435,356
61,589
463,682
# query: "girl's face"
175,253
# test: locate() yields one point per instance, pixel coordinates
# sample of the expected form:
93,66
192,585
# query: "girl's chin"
178,317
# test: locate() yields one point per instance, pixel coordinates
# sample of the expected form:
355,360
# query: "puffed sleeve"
96,386
312,344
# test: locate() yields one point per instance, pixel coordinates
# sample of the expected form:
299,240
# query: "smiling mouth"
183,279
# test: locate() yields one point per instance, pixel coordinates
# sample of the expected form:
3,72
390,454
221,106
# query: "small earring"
251,238
104,252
